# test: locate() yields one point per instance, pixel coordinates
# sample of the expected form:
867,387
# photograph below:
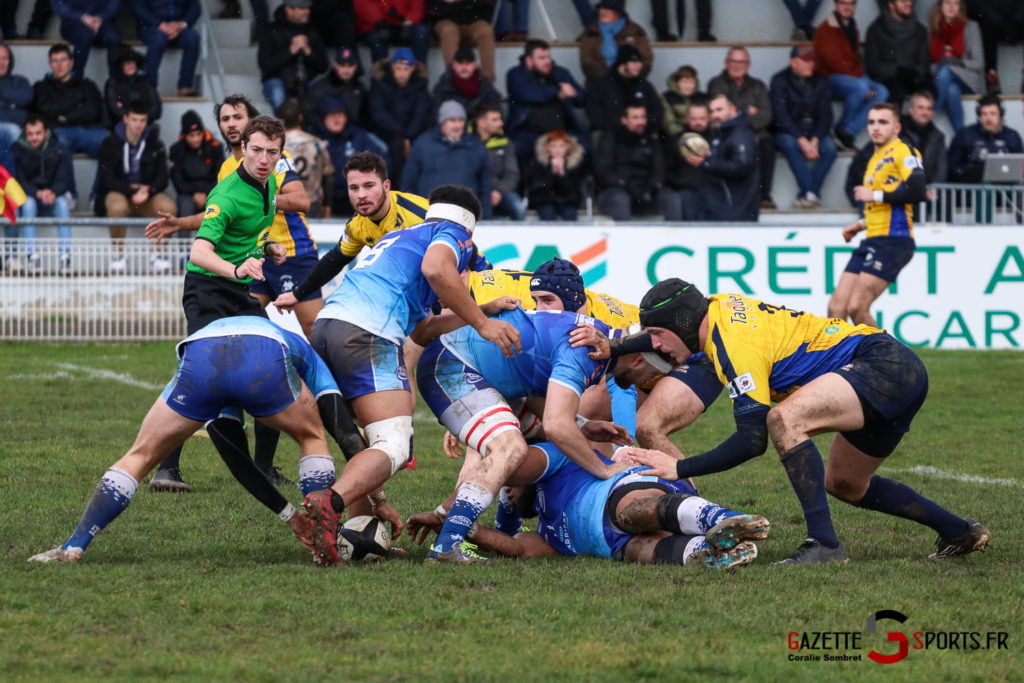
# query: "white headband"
453,213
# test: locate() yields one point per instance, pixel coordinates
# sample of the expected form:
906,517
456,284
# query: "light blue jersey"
386,293
547,355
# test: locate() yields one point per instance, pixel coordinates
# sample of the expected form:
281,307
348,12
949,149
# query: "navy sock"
470,502
111,497
806,473
507,520
896,498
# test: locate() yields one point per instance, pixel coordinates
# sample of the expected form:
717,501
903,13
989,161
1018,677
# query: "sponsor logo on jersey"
401,373
473,377
212,211
744,384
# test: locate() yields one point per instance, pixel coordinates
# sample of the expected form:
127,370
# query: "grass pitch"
210,585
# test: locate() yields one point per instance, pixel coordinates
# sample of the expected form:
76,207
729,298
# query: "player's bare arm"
560,427
166,225
292,197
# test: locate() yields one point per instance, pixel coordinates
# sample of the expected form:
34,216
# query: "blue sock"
507,520
896,498
470,502
806,473
112,495
316,472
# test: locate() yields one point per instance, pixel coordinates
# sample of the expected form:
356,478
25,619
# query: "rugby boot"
813,552
273,474
463,553
58,554
168,480
742,553
730,531
975,538
324,521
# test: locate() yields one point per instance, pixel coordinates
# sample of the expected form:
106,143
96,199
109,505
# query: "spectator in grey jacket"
896,51
751,97
505,197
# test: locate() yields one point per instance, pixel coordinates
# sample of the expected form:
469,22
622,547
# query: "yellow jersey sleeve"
610,310
406,210
487,285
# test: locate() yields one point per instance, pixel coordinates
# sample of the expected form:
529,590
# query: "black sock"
336,502
172,461
266,446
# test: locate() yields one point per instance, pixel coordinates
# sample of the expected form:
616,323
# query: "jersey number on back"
374,253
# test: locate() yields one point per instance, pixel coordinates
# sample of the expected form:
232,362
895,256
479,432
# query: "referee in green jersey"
231,244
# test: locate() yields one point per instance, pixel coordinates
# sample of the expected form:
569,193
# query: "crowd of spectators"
528,146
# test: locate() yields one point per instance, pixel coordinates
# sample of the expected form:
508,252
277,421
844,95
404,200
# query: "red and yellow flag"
11,194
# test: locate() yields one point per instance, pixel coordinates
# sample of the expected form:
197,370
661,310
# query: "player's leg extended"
671,406
306,312
867,288
826,404
839,303
161,430
662,547
301,421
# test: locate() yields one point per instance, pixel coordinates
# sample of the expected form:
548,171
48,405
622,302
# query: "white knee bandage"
394,437
529,424
487,424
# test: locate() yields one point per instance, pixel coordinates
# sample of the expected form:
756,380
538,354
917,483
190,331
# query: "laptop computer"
1003,168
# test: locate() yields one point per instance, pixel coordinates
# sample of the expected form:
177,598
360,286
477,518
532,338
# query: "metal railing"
214,79
974,204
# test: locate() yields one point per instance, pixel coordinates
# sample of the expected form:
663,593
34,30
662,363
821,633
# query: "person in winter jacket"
160,23
343,79
683,90
15,98
621,86
127,83
400,105
291,53
683,177
71,104
389,22
896,51
505,198
730,190
344,139
601,40
973,144
195,159
83,23
465,83
556,176
957,58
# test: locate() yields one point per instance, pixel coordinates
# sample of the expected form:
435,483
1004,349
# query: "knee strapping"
487,424
668,511
394,437
529,424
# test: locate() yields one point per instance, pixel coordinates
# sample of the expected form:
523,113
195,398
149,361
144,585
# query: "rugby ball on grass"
364,538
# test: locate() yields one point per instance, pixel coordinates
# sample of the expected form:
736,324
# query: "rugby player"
360,333
893,183
627,517
826,376
233,363
468,385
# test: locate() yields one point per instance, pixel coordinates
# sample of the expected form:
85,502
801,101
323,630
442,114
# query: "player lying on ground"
627,517
826,376
243,363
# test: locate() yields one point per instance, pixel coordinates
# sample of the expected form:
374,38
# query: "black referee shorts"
207,298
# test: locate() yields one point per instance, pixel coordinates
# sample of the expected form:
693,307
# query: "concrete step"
239,60
232,32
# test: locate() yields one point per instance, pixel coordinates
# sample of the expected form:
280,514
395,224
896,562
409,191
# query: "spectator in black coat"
629,165
802,104
344,79
195,160
291,53
400,105
556,176
919,130
621,86
682,177
15,98
464,82
973,144
896,51
160,23
70,104
731,189
127,84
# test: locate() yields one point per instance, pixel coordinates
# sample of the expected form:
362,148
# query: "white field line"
120,377
936,473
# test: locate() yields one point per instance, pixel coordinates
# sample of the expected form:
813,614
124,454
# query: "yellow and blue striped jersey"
763,352
289,227
488,285
406,210
887,171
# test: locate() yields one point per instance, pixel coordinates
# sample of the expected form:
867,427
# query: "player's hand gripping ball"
364,538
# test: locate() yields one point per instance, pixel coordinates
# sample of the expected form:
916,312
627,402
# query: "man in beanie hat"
622,85
195,159
344,78
400,106
127,83
827,376
447,156
601,41
344,139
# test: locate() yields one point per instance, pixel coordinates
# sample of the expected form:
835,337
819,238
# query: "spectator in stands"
310,154
343,79
335,21
659,18
195,160
516,30
291,53
71,104
556,176
601,40
41,13
621,86
133,174
896,51
464,82
683,90
43,167
400,105
751,97
685,178
919,130
803,121
803,12
1000,21
957,58
127,83
837,57
15,98
541,97
629,165
383,23
505,198
160,23
973,144
344,139
86,22
447,155
730,190
467,23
